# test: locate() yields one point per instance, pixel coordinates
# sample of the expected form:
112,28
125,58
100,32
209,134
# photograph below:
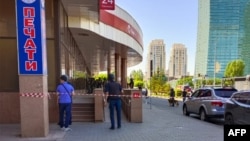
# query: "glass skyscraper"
223,36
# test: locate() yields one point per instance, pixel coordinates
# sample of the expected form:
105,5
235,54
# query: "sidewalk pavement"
158,125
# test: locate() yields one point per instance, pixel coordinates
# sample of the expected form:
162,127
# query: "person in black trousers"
65,91
113,91
172,95
184,94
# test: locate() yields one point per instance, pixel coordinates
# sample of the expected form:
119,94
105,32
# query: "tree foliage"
158,83
101,76
207,82
235,68
185,81
137,75
198,82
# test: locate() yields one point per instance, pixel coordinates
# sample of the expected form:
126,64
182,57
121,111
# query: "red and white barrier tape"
35,95
41,95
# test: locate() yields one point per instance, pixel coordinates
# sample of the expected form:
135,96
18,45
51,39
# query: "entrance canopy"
100,34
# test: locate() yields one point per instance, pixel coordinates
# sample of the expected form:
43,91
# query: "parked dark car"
208,102
237,109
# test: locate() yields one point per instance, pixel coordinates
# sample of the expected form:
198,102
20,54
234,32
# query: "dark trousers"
64,114
172,101
115,105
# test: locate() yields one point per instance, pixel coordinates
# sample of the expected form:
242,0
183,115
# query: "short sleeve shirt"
65,95
113,88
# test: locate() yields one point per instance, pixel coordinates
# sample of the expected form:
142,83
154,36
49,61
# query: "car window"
236,96
198,93
201,93
207,93
225,93
242,98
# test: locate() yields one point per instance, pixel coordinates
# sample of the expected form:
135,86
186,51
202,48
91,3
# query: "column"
34,106
118,67
32,61
124,72
108,63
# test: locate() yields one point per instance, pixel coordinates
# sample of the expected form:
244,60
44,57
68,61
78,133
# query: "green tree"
137,76
158,84
235,68
185,81
101,76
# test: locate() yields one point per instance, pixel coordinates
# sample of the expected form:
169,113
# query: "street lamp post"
194,81
151,74
214,63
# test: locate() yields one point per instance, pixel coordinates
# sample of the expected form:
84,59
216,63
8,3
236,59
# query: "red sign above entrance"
107,4
120,24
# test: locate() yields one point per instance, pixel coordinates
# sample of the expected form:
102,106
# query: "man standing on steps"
113,91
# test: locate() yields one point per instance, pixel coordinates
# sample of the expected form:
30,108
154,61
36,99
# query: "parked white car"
208,102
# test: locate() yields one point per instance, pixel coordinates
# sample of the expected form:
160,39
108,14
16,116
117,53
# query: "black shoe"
112,128
119,127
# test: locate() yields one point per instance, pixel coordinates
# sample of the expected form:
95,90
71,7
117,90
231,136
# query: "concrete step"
83,112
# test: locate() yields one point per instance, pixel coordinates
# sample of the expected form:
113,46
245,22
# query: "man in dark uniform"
131,83
184,94
172,96
113,91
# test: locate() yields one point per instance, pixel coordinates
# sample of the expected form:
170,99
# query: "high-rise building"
223,36
178,61
156,58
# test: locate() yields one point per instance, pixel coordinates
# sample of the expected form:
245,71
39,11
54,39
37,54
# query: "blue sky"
174,21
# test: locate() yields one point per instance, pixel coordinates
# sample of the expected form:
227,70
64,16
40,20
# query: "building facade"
156,58
178,61
77,36
223,36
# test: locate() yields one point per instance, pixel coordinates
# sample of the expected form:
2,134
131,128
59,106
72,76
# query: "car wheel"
203,115
185,112
229,120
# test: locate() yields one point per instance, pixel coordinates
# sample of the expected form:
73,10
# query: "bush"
178,93
139,83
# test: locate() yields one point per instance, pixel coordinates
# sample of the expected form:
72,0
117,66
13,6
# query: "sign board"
31,37
136,95
107,4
